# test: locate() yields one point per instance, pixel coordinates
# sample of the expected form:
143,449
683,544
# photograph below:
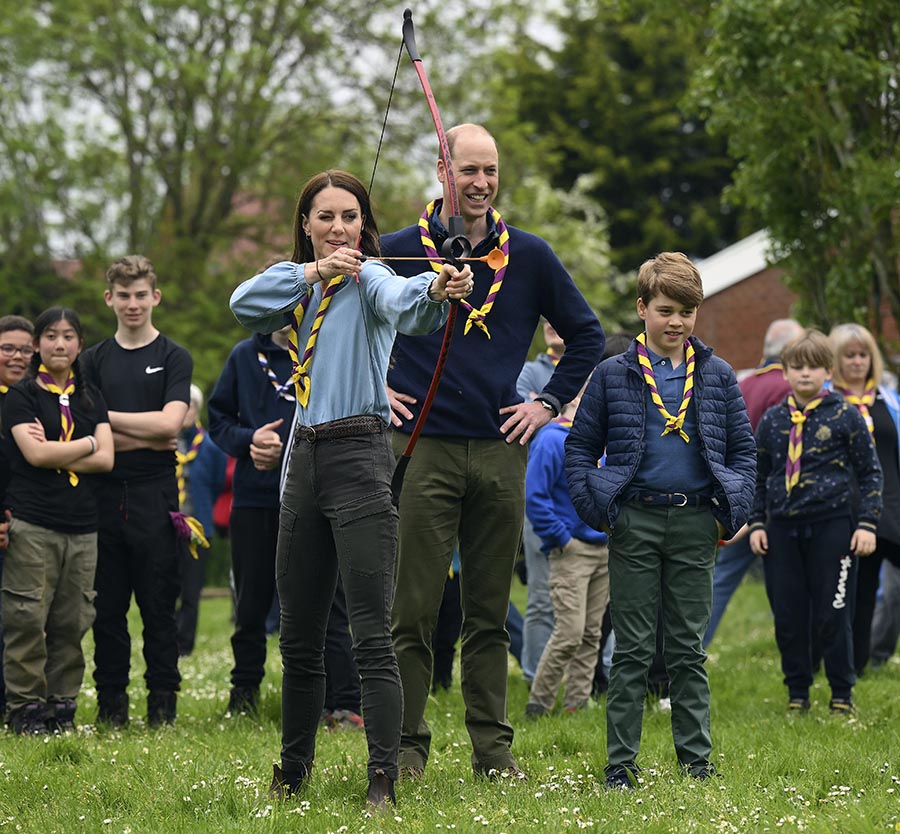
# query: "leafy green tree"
806,92
607,102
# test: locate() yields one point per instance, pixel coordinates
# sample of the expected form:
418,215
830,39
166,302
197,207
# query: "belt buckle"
310,434
682,496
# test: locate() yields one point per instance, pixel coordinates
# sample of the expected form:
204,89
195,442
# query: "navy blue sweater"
480,375
838,466
612,417
243,400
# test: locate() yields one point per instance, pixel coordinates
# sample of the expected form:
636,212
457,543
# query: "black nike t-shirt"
137,380
45,496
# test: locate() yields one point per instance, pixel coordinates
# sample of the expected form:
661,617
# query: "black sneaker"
842,706
535,710
30,720
161,707
701,772
796,706
621,777
61,715
112,708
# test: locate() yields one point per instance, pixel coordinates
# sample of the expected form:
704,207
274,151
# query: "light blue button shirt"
349,365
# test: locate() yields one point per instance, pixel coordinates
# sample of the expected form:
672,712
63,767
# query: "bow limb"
455,247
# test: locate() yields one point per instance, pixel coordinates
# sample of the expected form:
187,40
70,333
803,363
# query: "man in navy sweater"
466,480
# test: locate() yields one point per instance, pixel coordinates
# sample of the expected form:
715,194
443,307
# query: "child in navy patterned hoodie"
816,508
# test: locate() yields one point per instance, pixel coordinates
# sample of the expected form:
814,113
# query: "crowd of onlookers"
642,489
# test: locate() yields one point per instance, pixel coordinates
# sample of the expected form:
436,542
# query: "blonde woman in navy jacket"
857,375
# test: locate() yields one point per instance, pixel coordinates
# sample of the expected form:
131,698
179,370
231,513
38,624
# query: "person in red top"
764,387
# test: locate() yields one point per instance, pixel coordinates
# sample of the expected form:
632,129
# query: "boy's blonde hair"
129,269
848,334
671,274
812,347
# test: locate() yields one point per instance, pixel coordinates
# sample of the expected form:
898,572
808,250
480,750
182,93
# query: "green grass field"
815,773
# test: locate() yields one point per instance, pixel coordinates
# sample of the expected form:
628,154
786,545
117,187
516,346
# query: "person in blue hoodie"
579,574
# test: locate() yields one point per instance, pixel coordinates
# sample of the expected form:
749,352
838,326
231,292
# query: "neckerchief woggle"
674,423
66,420
795,440
477,315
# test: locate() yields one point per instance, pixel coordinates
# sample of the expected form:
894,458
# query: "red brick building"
742,296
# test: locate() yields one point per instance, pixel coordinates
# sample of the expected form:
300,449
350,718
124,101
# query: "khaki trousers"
579,588
48,606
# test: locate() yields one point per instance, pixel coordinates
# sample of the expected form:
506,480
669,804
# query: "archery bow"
454,248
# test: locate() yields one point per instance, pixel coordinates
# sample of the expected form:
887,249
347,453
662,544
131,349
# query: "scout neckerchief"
795,441
66,420
300,376
553,357
863,403
476,315
4,389
182,459
766,367
190,530
282,389
675,423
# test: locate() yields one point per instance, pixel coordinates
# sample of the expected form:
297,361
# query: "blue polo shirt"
668,464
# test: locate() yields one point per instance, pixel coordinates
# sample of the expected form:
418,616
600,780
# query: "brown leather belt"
345,427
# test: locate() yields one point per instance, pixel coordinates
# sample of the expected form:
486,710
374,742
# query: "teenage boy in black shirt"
145,380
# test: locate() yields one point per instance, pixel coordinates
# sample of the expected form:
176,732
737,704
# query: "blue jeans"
732,563
539,609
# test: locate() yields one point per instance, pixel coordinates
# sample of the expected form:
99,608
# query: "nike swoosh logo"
150,370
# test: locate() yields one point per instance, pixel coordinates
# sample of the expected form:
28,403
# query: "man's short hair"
129,269
778,334
812,348
671,274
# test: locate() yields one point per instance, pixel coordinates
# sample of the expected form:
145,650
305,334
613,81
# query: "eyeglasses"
11,350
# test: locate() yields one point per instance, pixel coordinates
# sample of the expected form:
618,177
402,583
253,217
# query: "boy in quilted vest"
678,476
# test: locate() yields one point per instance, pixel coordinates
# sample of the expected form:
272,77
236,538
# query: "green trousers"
471,492
660,555
48,606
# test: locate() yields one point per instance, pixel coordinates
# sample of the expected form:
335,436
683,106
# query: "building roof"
735,263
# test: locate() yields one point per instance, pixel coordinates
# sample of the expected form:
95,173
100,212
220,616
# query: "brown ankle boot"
286,783
381,792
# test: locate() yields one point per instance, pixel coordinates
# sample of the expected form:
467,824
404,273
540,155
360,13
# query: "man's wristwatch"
548,404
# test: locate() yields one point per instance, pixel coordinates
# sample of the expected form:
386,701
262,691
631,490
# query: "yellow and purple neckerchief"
190,530
66,420
553,357
4,389
476,315
282,389
182,459
673,423
300,375
766,367
863,403
795,440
